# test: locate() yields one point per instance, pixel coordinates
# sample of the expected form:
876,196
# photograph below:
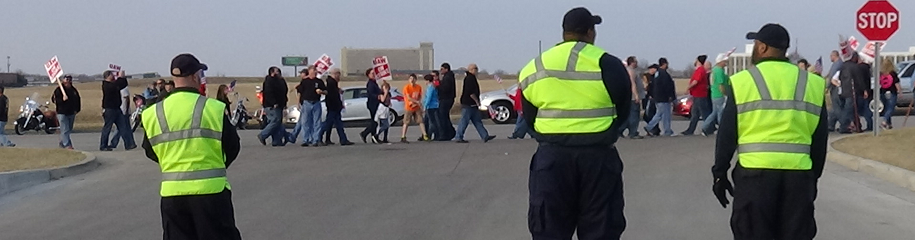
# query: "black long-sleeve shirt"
372,92
664,88
726,143
447,87
231,142
4,108
332,99
72,105
275,90
616,80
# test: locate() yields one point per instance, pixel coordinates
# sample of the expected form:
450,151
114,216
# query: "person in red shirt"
521,128
699,90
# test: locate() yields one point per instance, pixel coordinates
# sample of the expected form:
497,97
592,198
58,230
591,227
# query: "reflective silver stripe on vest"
774,147
193,175
584,113
767,103
540,72
195,131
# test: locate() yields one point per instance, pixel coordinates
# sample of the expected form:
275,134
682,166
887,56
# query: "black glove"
722,184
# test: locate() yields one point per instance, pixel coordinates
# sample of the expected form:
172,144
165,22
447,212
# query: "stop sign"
877,20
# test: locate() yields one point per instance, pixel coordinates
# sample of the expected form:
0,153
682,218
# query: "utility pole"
7,64
539,47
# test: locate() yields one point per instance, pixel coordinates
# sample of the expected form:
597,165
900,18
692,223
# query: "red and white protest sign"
323,64
381,68
53,69
867,54
847,47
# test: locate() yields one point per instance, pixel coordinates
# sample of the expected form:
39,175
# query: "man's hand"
65,98
319,91
721,185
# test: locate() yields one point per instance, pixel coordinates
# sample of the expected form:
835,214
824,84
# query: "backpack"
886,81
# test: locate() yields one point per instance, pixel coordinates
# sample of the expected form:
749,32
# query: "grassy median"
12,159
893,147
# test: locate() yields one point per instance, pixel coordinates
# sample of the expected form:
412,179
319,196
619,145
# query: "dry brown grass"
28,159
91,116
893,147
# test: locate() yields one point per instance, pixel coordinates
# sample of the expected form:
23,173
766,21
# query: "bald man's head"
472,68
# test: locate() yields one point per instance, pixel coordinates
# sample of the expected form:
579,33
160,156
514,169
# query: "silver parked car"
354,100
906,70
503,106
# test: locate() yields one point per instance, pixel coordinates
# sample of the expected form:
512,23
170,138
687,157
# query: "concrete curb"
896,175
17,180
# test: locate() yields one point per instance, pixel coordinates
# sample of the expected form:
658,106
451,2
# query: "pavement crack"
460,159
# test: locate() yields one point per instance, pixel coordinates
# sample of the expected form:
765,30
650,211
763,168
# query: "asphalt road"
439,190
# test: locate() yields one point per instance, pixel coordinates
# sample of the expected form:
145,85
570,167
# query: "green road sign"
295,61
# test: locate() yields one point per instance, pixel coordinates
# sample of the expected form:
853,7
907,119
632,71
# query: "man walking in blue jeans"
470,102
111,112
334,104
720,83
638,94
663,94
4,117
310,90
699,90
274,94
67,108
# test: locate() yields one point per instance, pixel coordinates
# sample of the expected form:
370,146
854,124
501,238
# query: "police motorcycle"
239,117
37,117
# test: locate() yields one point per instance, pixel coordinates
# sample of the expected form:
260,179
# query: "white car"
503,106
354,102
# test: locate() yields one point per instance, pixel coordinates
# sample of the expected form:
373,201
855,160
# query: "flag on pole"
232,85
498,79
492,112
818,66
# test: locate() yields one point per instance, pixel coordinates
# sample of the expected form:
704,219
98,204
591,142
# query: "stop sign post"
877,20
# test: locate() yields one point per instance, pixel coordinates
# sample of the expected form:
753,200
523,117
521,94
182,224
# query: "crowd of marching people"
849,89
427,106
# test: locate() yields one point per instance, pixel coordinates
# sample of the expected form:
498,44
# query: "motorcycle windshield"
31,101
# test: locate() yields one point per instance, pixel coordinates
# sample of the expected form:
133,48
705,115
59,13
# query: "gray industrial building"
354,61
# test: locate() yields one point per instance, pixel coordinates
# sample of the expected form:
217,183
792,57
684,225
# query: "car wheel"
503,112
397,119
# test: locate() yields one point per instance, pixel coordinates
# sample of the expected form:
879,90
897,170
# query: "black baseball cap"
579,20
185,65
655,66
773,35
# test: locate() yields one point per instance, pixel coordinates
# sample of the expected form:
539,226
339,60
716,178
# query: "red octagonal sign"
877,20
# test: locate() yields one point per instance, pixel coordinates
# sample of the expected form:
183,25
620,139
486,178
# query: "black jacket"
446,87
372,92
231,143
664,90
332,99
275,90
617,83
72,105
854,77
4,108
471,87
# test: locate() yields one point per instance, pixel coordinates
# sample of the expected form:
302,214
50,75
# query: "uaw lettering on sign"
381,68
53,68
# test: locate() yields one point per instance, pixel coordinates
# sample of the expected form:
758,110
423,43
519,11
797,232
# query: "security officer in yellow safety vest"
577,97
194,143
776,122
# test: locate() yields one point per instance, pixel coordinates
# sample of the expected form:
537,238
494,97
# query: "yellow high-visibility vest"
185,131
778,109
566,86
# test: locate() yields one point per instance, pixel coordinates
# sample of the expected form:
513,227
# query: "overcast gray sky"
244,38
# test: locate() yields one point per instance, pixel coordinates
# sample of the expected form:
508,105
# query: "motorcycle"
139,103
240,117
37,117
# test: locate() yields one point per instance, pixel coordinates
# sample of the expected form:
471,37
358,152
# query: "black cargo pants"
199,217
576,188
773,204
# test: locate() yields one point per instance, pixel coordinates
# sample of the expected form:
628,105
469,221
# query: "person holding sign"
373,95
68,103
